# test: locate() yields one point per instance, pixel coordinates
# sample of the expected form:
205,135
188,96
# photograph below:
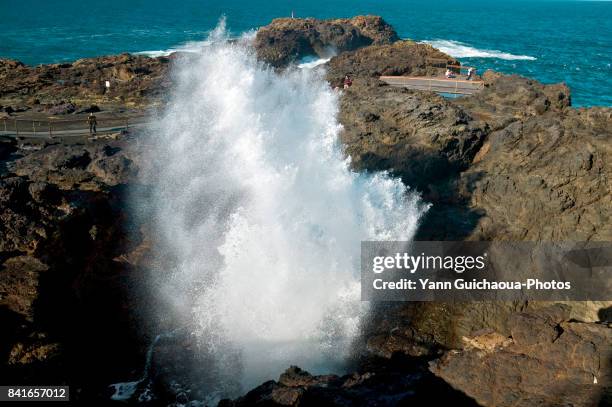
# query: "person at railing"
449,74
91,120
470,74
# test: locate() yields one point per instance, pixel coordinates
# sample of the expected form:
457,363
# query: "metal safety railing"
449,65
61,127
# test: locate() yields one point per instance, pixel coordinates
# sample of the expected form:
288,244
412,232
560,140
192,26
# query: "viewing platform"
434,84
458,84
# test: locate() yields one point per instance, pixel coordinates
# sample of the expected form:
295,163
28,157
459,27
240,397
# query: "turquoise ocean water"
551,40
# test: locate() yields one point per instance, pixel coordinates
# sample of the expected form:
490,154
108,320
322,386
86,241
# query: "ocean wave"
191,47
461,50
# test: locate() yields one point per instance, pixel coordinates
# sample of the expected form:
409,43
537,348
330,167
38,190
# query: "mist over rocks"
512,162
474,156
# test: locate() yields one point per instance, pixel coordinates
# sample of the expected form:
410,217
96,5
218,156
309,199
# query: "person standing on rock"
91,120
347,82
470,74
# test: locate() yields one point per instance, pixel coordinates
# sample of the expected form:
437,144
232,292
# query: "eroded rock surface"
544,177
471,157
513,162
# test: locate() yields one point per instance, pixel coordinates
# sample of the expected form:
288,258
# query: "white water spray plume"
259,215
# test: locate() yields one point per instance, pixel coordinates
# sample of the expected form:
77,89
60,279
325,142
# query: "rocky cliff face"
545,361
425,139
473,155
390,385
560,162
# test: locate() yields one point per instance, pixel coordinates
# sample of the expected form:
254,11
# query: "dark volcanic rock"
399,382
546,362
513,162
472,156
61,109
287,39
89,166
66,272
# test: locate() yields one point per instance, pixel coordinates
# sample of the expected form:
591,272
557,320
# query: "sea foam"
458,49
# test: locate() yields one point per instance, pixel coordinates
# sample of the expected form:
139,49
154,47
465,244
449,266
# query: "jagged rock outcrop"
420,136
91,166
515,138
288,39
544,360
513,96
547,361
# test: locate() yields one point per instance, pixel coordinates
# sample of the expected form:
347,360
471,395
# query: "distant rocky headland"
513,162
